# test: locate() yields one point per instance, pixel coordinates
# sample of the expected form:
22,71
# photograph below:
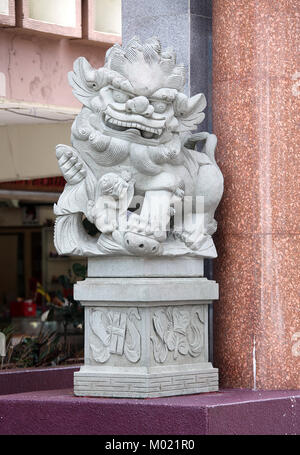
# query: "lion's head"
137,96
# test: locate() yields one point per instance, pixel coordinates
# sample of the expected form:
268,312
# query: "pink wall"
36,66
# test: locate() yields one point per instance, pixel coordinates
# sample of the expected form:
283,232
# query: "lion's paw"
193,240
71,164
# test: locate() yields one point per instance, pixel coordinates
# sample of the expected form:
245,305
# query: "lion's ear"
85,80
189,111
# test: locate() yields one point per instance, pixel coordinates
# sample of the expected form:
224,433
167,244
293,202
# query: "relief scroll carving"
133,139
116,333
178,331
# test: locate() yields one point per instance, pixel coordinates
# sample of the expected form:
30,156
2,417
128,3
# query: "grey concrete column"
186,26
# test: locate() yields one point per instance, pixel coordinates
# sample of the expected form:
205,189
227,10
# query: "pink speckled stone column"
256,119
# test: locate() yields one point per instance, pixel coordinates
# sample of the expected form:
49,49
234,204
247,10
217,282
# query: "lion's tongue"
134,130
147,134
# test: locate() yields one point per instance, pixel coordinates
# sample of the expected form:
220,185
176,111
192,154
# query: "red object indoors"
22,308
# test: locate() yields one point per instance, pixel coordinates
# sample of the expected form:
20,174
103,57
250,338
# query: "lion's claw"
70,164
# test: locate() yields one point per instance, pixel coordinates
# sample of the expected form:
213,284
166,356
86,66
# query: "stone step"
22,380
229,411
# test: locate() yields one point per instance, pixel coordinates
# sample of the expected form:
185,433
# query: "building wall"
34,67
13,216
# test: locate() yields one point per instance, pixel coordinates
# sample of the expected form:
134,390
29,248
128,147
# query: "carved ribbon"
116,334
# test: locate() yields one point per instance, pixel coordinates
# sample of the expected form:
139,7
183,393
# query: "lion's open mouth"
144,131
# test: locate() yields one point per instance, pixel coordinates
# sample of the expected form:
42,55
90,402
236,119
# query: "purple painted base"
225,412
32,379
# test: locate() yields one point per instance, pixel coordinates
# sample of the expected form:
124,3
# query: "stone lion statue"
132,148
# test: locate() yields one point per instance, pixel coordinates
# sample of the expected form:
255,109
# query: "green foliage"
70,314
79,270
46,348
8,332
37,351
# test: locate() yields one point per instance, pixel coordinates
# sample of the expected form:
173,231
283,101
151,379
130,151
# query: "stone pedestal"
145,336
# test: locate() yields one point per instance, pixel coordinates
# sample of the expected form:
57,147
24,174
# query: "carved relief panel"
128,336
178,332
114,333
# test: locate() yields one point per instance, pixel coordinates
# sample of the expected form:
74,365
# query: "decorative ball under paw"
141,245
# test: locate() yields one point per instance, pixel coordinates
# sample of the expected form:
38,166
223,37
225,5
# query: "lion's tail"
209,145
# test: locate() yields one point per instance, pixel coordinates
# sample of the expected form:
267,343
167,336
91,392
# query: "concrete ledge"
33,379
226,412
145,290
156,266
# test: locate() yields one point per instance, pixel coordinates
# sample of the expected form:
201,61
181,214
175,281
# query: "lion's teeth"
147,132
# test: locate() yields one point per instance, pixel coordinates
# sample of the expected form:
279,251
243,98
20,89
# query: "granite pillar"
255,115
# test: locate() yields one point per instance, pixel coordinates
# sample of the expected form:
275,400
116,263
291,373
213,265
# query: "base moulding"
145,386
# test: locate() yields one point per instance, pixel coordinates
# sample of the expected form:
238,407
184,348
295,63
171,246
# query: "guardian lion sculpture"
132,142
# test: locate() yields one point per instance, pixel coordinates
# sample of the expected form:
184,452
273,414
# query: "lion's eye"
93,85
120,97
159,106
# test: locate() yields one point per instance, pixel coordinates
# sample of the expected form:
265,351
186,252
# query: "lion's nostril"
141,245
154,248
127,242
